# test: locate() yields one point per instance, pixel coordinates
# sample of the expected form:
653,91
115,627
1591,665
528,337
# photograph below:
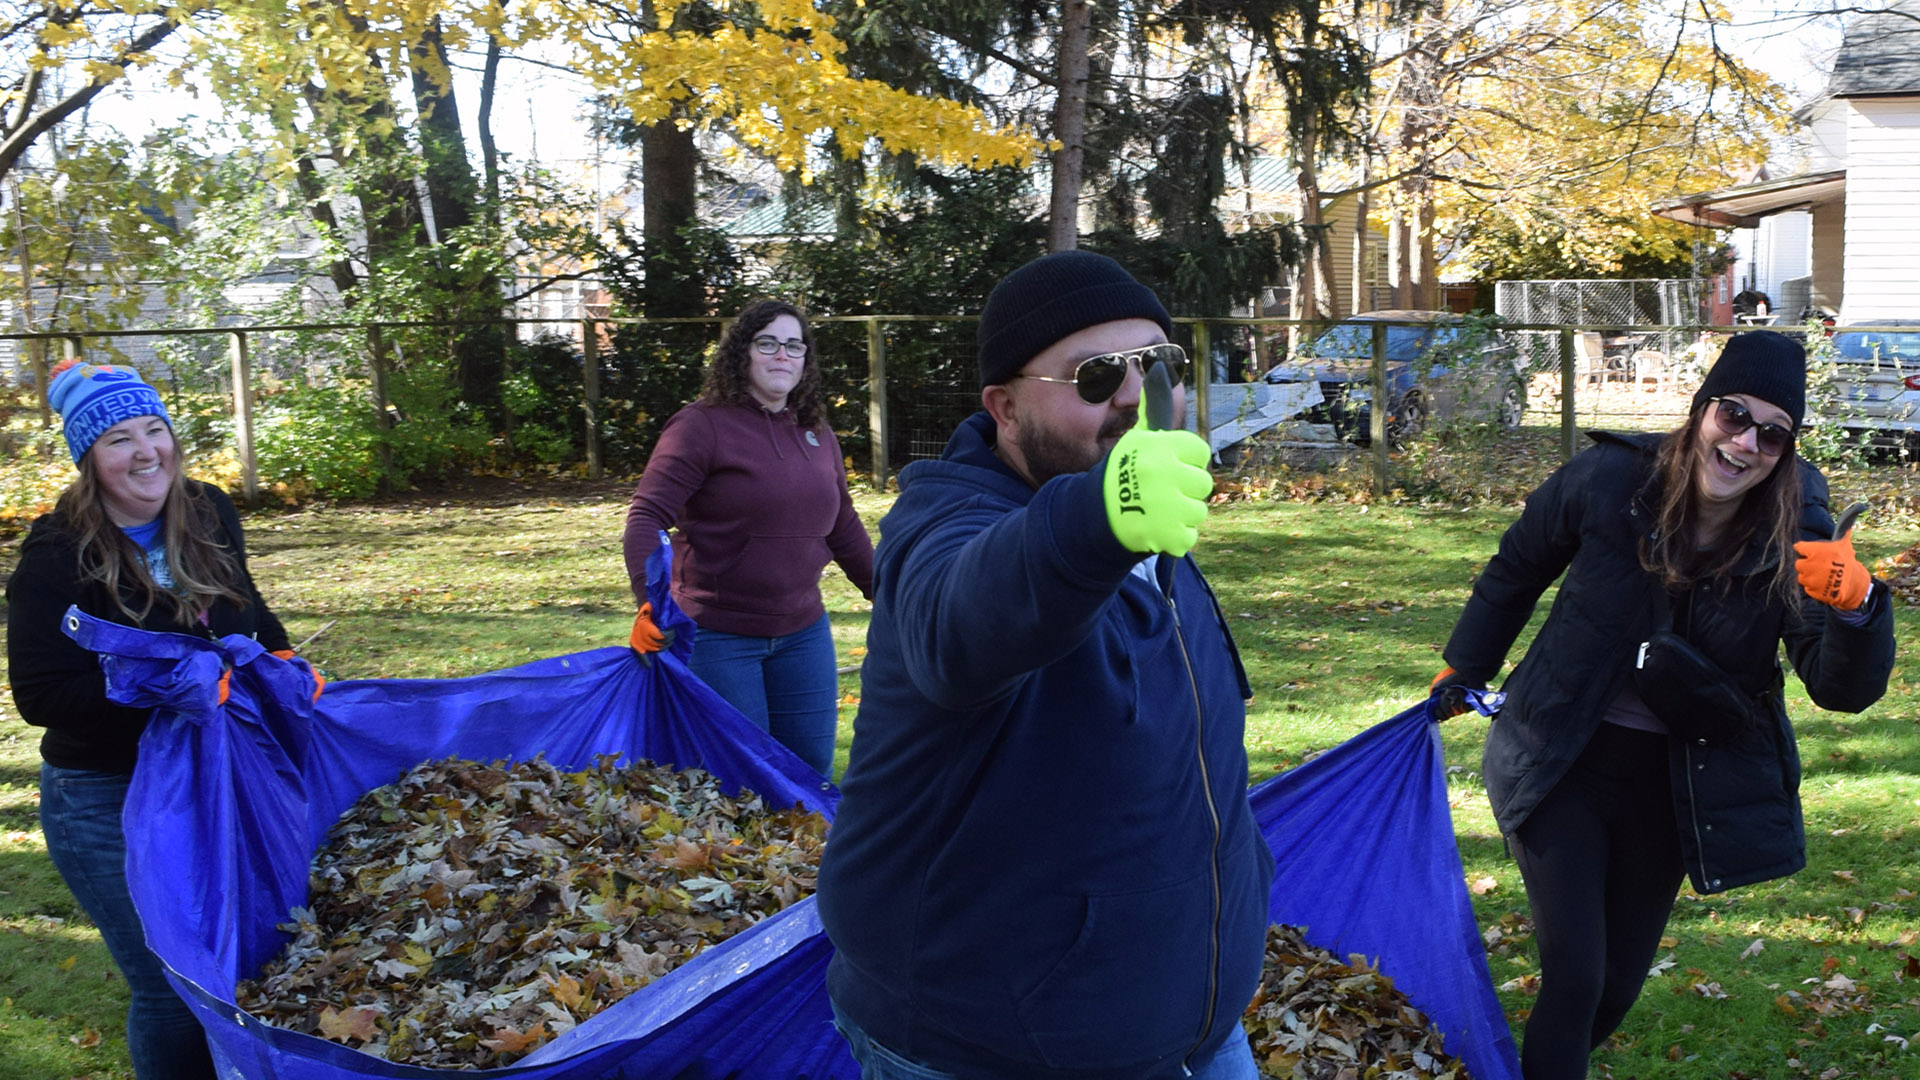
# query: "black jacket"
1738,804
57,684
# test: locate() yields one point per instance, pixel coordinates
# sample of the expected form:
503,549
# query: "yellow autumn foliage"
772,70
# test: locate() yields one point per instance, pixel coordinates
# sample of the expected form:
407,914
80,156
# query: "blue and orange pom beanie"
91,398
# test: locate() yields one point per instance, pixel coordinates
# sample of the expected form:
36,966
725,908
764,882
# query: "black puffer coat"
1738,804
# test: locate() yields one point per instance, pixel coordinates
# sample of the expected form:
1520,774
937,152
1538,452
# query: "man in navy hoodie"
1043,863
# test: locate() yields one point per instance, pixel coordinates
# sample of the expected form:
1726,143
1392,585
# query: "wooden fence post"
1377,414
590,395
1202,378
1567,425
877,401
243,417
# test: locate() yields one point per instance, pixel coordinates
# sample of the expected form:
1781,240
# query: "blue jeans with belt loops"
80,814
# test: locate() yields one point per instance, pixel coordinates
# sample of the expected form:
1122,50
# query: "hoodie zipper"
1213,814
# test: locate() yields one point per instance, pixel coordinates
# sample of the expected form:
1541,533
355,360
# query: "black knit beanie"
1761,363
1051,297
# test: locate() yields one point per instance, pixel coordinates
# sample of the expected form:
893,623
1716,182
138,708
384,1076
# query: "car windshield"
1354,341
1901,345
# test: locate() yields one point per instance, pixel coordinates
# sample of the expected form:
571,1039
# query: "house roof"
1879,53
1742,207
770,219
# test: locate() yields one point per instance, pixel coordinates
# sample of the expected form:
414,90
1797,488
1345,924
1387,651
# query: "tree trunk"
669,171
451,190
1070,125
489,152
452,196
1398,246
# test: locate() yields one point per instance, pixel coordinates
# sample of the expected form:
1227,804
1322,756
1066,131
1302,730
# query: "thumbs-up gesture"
1156,489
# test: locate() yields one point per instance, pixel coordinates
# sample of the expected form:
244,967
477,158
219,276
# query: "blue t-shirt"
154,545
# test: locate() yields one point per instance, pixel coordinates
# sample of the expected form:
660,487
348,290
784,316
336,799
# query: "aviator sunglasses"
1734,418
1098,378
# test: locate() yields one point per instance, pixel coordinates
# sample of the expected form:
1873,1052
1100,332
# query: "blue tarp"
1365,860
230,801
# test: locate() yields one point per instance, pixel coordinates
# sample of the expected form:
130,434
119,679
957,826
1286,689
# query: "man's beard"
1048,454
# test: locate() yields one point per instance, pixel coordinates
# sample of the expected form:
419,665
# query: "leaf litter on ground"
1316,1018
468,913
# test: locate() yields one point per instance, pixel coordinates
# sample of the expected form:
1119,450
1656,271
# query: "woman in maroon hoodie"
753,478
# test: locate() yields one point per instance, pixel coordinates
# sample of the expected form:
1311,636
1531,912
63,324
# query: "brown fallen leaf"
360,1023
1753,950
1483,884
86,1040
508,1040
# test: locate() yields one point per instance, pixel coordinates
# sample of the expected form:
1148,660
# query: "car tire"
1513,406
1407,421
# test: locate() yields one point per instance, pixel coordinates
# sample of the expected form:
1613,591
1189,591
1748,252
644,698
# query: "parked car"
1435,371
1876,375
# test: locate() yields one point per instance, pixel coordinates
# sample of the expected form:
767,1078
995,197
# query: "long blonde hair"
1771,509
203,570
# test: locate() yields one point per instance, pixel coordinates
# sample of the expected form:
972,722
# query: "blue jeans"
80,814
1233,1062
786,685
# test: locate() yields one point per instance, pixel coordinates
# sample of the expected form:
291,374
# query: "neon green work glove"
1156,487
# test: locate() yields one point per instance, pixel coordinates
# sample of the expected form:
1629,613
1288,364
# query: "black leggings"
1601,860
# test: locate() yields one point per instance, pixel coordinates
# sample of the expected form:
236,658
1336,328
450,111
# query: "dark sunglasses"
1098,378
1734,418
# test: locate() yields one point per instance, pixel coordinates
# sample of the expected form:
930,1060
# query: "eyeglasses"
767,345
1098,378
1734,418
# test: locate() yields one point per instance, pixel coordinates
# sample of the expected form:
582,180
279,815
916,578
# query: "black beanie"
1051,297
1764,364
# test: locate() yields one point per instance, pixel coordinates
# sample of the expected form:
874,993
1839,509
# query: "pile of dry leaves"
1315,1018
1902,574
468,913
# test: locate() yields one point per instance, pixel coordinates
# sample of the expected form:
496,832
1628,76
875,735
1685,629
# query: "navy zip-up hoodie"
1043,862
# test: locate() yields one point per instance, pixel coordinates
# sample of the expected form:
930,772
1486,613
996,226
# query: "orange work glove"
646,637
1831,574
319,680
1450,688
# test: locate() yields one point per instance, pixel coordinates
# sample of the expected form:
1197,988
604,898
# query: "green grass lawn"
1340,605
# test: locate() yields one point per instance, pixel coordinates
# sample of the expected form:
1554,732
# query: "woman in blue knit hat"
1644,738
133,541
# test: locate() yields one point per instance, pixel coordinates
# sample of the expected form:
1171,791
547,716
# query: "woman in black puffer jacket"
1720,529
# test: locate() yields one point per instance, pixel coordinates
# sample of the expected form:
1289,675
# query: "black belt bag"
1692,695
1688,692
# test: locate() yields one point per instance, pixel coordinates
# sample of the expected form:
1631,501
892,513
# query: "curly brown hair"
1771,510
727,374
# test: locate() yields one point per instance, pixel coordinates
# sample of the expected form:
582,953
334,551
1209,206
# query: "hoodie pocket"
773,575
1134,986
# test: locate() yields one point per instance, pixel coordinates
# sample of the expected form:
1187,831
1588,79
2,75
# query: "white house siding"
1882,262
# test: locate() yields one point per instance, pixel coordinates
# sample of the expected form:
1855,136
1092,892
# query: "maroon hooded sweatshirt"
761,505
